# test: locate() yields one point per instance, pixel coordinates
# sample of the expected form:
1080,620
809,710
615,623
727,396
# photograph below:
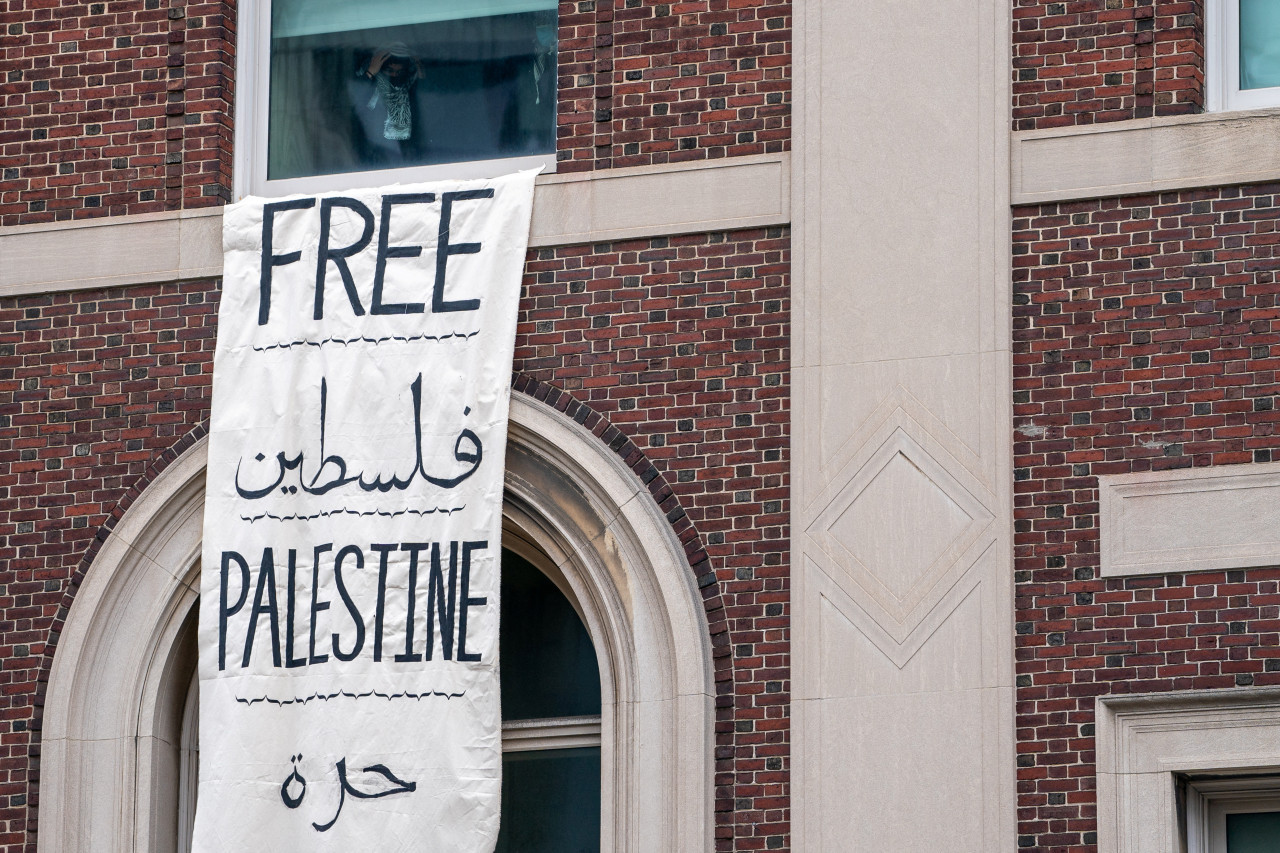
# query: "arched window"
114,749
550,718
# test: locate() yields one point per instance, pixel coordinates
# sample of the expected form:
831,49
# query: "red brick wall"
113,107
124,106
675,352
96,389
1146,337
699,80
645,82
683,345
1087,61
585,63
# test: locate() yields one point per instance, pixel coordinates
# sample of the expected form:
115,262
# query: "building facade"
893,397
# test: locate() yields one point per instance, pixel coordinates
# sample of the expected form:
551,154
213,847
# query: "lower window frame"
252,104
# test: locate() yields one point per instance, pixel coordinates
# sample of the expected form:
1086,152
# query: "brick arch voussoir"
695,551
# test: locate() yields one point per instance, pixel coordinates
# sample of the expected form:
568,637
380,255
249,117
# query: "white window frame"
1209,801
1222,62
253,82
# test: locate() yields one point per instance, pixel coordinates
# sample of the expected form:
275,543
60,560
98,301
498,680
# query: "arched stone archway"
118,683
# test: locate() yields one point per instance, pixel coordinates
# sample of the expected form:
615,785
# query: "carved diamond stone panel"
897,530
899,525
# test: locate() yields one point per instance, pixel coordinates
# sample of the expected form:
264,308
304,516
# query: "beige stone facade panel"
1225,517
898,211
853,666
1145,155
118,250
646,201
901,509
654,201
908,785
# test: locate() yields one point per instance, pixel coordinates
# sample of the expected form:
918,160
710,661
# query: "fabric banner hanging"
349,588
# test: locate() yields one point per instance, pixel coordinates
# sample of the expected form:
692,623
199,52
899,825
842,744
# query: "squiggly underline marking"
328,512
367,340
325,697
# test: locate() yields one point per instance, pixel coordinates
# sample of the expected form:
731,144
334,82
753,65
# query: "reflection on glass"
551,801
1253,832
548,663
1259,44
383,84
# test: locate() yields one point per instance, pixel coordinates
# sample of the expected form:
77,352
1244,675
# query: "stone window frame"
1222,62
1155,754
249,176
112,734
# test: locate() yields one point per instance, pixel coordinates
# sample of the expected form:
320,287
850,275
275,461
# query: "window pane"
548,663
1252,832
383,84
550,802
1259,44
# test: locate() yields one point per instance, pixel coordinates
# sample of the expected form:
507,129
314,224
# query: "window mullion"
551,733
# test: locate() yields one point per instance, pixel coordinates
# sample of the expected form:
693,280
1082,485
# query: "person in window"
394,71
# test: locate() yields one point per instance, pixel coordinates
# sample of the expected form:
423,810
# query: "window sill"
347,181
568,209
1145,155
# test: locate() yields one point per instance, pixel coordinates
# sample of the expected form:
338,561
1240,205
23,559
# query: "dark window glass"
551,801
548,663
1253,832
383,84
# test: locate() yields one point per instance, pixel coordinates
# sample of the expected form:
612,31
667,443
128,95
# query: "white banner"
349,589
